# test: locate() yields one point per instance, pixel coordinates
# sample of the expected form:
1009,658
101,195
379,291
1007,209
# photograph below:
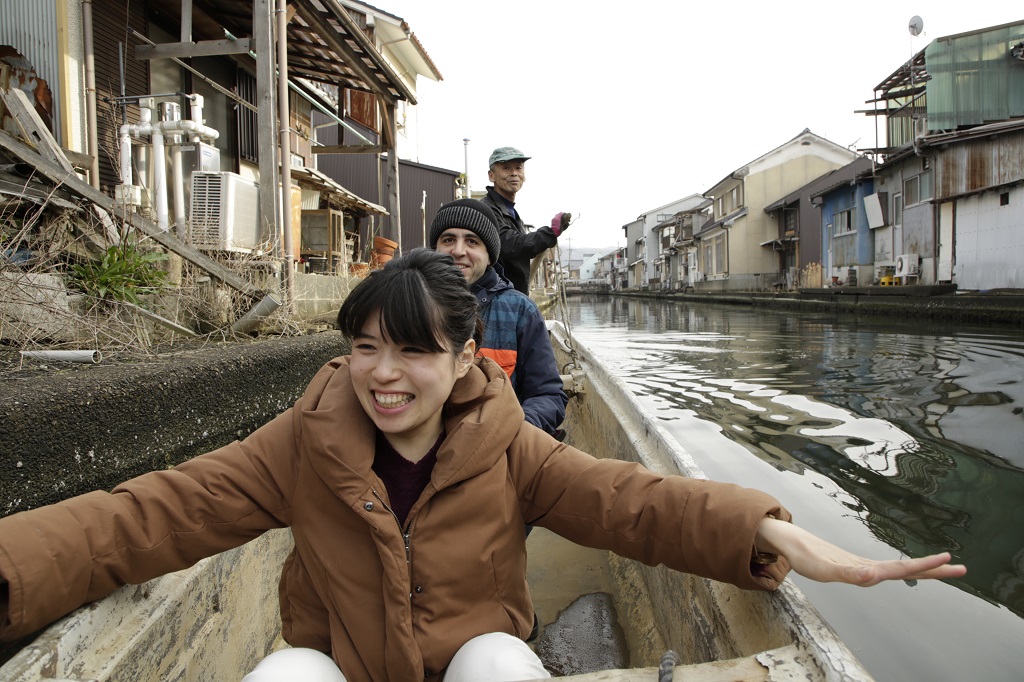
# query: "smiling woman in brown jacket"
392,454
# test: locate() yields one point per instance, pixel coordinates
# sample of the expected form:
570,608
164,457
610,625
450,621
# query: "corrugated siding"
413,181
978,164
974,79
989,241
30,27
113,21
358,174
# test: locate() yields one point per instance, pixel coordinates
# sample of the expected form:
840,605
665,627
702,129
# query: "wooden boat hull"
704,621
216,620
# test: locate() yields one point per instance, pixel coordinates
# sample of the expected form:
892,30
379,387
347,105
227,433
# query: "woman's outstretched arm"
817,559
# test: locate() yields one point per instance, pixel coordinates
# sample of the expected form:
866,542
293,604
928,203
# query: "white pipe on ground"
262,310
84,356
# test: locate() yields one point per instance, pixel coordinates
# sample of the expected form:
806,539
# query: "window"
248,141
844,222
1004,199
918,188
897,209
790,222
911,187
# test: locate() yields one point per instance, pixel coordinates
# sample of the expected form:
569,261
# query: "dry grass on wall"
43,307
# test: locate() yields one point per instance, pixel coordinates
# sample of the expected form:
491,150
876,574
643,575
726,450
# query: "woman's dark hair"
424,302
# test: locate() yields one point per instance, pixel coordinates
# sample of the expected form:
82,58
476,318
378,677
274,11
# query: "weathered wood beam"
203,48
70,181
389,128
357,36
33,128
266,117
330,35
348,149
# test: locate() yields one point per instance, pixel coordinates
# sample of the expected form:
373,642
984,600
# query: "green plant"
123,274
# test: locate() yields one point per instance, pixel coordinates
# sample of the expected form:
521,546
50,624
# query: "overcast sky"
625,107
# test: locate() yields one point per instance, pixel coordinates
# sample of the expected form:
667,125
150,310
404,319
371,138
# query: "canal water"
890,438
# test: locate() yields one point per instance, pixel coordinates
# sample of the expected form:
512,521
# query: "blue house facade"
847,241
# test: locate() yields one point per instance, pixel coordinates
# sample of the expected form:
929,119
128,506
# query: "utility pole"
465,178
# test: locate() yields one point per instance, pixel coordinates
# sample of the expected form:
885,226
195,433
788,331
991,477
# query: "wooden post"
266,118
389,128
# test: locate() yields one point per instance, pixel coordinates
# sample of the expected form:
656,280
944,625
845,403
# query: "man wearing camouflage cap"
507,172
515,335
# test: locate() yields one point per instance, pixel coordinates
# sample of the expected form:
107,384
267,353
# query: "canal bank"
67,429
1002,307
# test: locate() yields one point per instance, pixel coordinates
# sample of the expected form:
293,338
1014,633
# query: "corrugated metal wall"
989,241
978,164
30,27
358,173
113,21
415,180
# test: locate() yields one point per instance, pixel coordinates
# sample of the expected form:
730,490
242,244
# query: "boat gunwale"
663,453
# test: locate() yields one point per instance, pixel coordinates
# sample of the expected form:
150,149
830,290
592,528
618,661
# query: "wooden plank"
775,665
266,120
338,45
33,128
348,149
67,179
202,48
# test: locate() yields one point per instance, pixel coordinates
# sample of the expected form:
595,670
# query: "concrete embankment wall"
89,427
998,309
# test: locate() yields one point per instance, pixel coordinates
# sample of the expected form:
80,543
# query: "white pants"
494,657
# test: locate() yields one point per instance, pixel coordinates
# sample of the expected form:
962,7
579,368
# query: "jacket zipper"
406,532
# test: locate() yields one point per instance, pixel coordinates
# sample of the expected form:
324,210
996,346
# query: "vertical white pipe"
126,154
178,186
286,151
196,113
160,177
90,94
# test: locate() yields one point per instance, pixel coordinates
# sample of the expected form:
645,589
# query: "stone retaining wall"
89,427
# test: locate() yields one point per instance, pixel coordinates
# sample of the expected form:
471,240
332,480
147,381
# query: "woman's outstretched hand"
814,558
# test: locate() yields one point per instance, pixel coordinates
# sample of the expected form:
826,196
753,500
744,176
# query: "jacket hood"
492,282
482,416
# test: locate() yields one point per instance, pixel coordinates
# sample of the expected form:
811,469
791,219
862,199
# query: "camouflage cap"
503,154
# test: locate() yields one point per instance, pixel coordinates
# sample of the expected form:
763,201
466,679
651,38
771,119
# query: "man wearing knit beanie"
515,335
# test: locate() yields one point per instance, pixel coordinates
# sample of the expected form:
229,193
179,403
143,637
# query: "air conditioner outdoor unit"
908,264
225,212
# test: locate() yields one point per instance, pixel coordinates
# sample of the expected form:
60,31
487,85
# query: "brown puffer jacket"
387,605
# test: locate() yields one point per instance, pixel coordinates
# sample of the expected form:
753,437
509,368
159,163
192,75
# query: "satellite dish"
916,25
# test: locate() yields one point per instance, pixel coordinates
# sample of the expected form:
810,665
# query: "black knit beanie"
472,215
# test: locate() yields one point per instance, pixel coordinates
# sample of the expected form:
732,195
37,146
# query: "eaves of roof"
323,183
726,221
324,43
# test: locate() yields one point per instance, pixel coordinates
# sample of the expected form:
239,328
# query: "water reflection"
919,429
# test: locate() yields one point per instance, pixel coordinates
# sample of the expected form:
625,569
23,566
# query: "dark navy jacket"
516,338
518,245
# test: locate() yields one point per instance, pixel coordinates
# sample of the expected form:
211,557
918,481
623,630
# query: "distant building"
737,248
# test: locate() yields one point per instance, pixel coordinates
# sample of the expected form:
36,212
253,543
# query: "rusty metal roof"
325,44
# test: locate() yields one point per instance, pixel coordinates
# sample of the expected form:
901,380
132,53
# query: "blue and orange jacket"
516,338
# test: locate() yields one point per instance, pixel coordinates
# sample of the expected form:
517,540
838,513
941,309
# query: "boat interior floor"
574,597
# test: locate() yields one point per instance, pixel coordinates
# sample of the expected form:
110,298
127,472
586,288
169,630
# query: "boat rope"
669,660
572,371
